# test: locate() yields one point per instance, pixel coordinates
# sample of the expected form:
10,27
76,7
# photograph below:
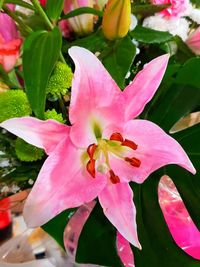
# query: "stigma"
105,148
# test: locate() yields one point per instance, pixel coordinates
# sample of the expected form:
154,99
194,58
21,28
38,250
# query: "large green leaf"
187,184
118,58
54,8
56,226
177,102
97,242
190,73
158,246
149,36
40,53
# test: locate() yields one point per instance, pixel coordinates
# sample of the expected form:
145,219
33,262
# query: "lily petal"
124,251
117,203
144,86
43,134
94,94
62,184
155,149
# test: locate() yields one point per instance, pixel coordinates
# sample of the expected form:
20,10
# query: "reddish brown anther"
91,167
114,178
130,144
117,137
91,149
134,162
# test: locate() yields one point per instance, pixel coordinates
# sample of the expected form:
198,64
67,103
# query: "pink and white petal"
144,86
124,251
155,149
95,125
62,183
44,134
117,203
92,87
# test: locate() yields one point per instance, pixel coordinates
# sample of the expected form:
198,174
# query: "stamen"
91,167
117,137
91,149
133,161
114,178
130,144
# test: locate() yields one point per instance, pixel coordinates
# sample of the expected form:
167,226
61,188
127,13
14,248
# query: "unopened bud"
116,19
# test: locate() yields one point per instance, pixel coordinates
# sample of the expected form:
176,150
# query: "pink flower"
177,8
43,2
193,41
82,24
9,42
103,150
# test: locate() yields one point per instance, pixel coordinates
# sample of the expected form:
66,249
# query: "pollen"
114,178
91,167
116,137
133,161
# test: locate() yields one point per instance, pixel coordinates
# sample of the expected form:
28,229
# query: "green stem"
48,23
41,12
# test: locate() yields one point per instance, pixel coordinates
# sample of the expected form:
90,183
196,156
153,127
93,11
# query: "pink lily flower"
103,150
177,8
9,42
193,41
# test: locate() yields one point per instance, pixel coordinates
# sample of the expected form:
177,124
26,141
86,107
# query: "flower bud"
82,24
116,19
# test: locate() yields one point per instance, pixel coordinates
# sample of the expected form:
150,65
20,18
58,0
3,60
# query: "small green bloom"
27,152
60,80
13,103
52,114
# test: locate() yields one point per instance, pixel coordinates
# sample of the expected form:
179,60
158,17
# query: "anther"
117,137
130,144
91,149
114,178
91,167
133,161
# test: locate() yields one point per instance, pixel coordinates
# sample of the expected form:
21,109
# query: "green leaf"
187,184
149,36
94,42
190,73
177,102
40,53
118,58
97,242
55,227
147,10
54,8
82,10
158,246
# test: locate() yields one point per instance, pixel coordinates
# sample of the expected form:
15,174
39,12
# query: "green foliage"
40,53
13,103
100,243
27,152
56,226
54,8
118,58
60,80
52,114
149,36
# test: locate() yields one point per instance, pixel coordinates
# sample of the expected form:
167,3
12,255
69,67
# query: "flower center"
116,145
